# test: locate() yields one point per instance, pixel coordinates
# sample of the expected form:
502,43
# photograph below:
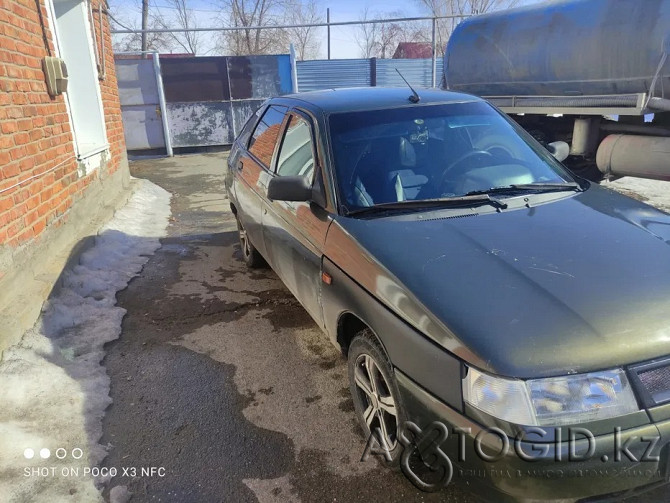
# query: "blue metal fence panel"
330,74
334,73
418,72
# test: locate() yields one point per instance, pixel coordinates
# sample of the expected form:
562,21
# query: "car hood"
578,284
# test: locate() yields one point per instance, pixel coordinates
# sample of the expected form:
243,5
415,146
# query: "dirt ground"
222,380
221,377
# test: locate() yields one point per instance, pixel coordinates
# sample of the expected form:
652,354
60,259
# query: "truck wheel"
375,394
250,255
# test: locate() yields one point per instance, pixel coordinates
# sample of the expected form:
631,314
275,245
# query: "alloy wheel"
380,411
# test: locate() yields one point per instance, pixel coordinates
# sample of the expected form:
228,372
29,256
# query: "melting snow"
54,390
653,192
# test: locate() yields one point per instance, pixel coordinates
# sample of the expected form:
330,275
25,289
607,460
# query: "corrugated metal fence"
208,99
334,73
418,72
327,74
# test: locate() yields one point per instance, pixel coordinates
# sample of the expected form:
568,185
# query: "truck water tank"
563,48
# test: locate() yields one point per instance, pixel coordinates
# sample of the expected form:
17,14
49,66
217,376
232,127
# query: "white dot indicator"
29,453
45,453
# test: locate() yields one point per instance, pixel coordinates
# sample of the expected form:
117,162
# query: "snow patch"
119,494
653,192
54,389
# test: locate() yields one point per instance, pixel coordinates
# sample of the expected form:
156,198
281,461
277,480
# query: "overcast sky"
343,44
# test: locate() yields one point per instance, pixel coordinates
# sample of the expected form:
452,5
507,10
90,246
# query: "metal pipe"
434,62
661,104
102,42
616,127
128,53
328,22
145,17
91,21
640,156
163,106
373,72
585,134
277,27
294,69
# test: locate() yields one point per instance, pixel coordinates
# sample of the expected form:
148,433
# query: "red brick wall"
35,132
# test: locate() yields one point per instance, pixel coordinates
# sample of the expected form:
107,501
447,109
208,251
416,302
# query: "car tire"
365,358
250,255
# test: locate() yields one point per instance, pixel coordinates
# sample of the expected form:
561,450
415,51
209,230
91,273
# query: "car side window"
245,134
296,157
263,141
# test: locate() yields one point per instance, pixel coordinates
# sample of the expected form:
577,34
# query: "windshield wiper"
529,187
445,202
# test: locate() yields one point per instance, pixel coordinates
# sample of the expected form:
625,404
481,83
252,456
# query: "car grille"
656,380
653,381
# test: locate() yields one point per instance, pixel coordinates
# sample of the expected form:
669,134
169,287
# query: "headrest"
407,154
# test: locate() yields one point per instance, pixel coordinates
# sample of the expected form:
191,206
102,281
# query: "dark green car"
506,323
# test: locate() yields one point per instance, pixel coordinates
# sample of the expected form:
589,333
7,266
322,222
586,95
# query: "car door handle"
265,211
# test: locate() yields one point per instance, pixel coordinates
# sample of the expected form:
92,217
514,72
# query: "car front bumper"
551,475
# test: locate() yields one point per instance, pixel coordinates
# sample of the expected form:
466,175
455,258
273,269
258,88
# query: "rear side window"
245,134
264,139
296,157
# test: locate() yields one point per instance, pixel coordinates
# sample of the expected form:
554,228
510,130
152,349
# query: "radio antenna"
415,96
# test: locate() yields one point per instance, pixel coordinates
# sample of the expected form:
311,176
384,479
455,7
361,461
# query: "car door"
295,232
253,167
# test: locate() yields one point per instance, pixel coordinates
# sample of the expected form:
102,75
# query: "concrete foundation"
32,272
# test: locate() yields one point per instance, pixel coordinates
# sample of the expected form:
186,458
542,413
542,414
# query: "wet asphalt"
223,388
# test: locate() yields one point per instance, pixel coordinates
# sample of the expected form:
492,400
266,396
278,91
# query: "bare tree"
462,9
184,18
473,7
367,35
132,42
381,39
304,39
247,13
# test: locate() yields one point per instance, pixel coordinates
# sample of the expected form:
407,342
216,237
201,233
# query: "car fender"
415,355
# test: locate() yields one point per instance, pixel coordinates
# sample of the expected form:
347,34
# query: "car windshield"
431,152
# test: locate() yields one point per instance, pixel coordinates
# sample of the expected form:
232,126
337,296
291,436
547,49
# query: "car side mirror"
559,149
290,188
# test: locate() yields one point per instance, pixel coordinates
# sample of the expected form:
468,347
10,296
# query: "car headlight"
553,401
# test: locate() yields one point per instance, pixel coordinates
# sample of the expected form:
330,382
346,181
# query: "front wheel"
375,393
250,255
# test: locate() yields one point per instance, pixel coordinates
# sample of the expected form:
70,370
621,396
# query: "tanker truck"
592,74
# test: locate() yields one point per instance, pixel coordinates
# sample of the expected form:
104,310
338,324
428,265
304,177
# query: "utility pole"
434,56
145,17
328,21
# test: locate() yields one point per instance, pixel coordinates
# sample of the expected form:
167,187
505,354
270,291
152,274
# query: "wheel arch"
349,325
348,308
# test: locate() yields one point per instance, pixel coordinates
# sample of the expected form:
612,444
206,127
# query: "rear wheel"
250,255
375,393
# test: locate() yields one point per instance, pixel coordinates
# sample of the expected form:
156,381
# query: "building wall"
50,200
36,145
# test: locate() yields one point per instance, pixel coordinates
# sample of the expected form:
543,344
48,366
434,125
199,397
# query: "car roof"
368,98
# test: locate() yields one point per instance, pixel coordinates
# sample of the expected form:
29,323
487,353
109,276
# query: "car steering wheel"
483,154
